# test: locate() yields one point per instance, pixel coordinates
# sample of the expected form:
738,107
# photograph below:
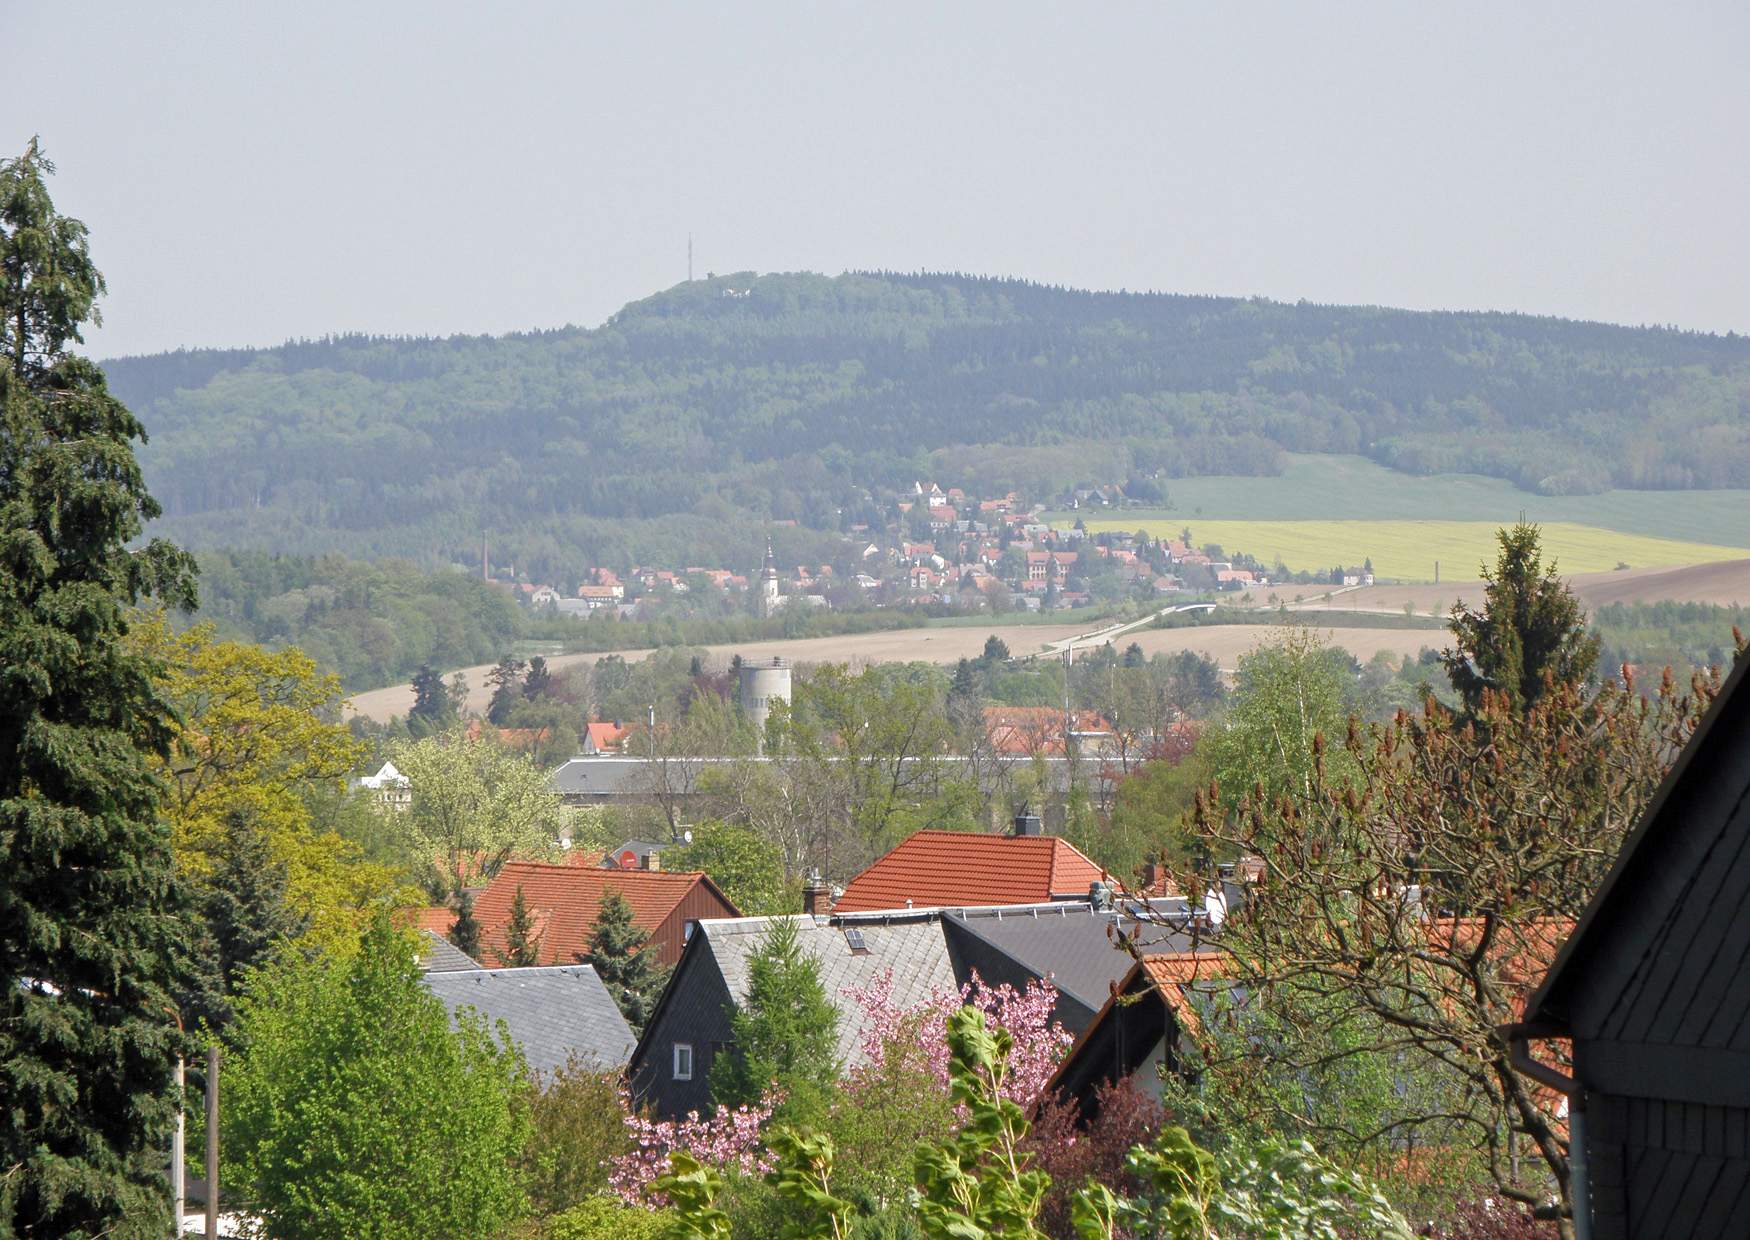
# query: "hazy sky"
252,172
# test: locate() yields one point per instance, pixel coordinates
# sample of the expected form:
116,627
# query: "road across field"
1224,643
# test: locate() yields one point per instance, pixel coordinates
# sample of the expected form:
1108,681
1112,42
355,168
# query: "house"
1652,988
554,1015
389,788
956,869
595,596
438,955
917,955
565,900
636,855
1031,731
1143,1028
603,737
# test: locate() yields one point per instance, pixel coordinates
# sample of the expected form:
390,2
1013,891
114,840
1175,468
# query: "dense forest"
674,431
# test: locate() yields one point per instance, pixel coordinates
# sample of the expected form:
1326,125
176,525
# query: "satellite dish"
686,837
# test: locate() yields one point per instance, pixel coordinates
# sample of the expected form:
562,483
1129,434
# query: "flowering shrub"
919,1033
1073,1155
729,1140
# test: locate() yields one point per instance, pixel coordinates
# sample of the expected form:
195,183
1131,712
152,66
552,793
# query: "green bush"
604,1218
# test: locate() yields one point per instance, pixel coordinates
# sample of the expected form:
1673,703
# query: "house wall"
697,1012
1668,1169
670,937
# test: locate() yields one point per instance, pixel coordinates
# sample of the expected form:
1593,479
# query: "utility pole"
213,1142
178,1144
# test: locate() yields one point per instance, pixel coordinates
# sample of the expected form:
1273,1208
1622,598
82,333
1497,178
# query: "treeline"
676,430
375,624
1653,636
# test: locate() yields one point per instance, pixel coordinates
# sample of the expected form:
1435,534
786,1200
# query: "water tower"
763,683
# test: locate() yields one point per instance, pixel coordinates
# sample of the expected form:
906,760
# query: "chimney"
816,895
1151,874
1028,824
651,860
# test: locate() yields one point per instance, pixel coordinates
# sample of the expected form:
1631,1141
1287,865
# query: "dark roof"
438,955
1646,886
630,775
551,1013
1072,944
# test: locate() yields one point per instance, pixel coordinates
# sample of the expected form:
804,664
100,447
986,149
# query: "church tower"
768,597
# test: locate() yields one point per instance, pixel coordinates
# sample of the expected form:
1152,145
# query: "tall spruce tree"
786,1031
95,929
539,682
506,680
621,955
245,914
1530,633
522,942
431,708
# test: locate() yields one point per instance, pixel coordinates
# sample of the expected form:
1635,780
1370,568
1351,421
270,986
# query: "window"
854,940
687,928
683,1061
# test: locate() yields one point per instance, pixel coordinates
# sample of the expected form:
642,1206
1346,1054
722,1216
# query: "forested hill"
675,429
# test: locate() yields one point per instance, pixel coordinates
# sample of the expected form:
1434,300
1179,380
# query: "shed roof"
438,955
551,1013
940,869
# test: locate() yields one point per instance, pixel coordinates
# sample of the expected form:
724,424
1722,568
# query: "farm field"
1723,583
1224,643
1353,488
1404,550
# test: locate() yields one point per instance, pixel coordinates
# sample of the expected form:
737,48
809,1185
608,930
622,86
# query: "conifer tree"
621,955
785,1031
1530,630
431,708
244,906
465,930
539,682
95,928
521,942
506,680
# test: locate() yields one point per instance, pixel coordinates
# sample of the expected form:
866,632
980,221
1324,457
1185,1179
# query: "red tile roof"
438,918
960,868
566,899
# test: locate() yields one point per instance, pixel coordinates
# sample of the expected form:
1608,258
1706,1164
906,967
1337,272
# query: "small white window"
687,928
683,1061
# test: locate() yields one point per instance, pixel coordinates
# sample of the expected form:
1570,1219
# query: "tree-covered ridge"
787,396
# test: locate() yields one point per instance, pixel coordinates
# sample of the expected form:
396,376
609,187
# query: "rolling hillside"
677,429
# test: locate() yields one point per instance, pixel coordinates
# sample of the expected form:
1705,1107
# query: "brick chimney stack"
816,895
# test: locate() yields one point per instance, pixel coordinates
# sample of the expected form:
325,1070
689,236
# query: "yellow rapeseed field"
1408,550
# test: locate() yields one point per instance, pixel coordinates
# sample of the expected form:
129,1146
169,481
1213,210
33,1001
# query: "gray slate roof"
550,1013
912,947
630,775
1072,943
438,955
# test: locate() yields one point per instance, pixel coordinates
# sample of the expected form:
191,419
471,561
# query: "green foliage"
1680,636
1274,1190
371,623
1530,633
692,1188
785,1031
672,432
621,955
1290,693
465,930
356,1109
243,905
607,1218
803,1179
748,868
521,941
578,1130
94,922
976,1182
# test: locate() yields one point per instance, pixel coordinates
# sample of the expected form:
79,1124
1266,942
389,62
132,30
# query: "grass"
1353,488
1409,550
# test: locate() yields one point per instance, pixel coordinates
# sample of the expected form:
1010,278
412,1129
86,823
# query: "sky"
252,173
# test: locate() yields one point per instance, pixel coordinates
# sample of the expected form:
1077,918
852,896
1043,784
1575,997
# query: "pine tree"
244,906
431,701
506,680
95,929
539,682
620,953
522,943
465,930
785,1030
1530,633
